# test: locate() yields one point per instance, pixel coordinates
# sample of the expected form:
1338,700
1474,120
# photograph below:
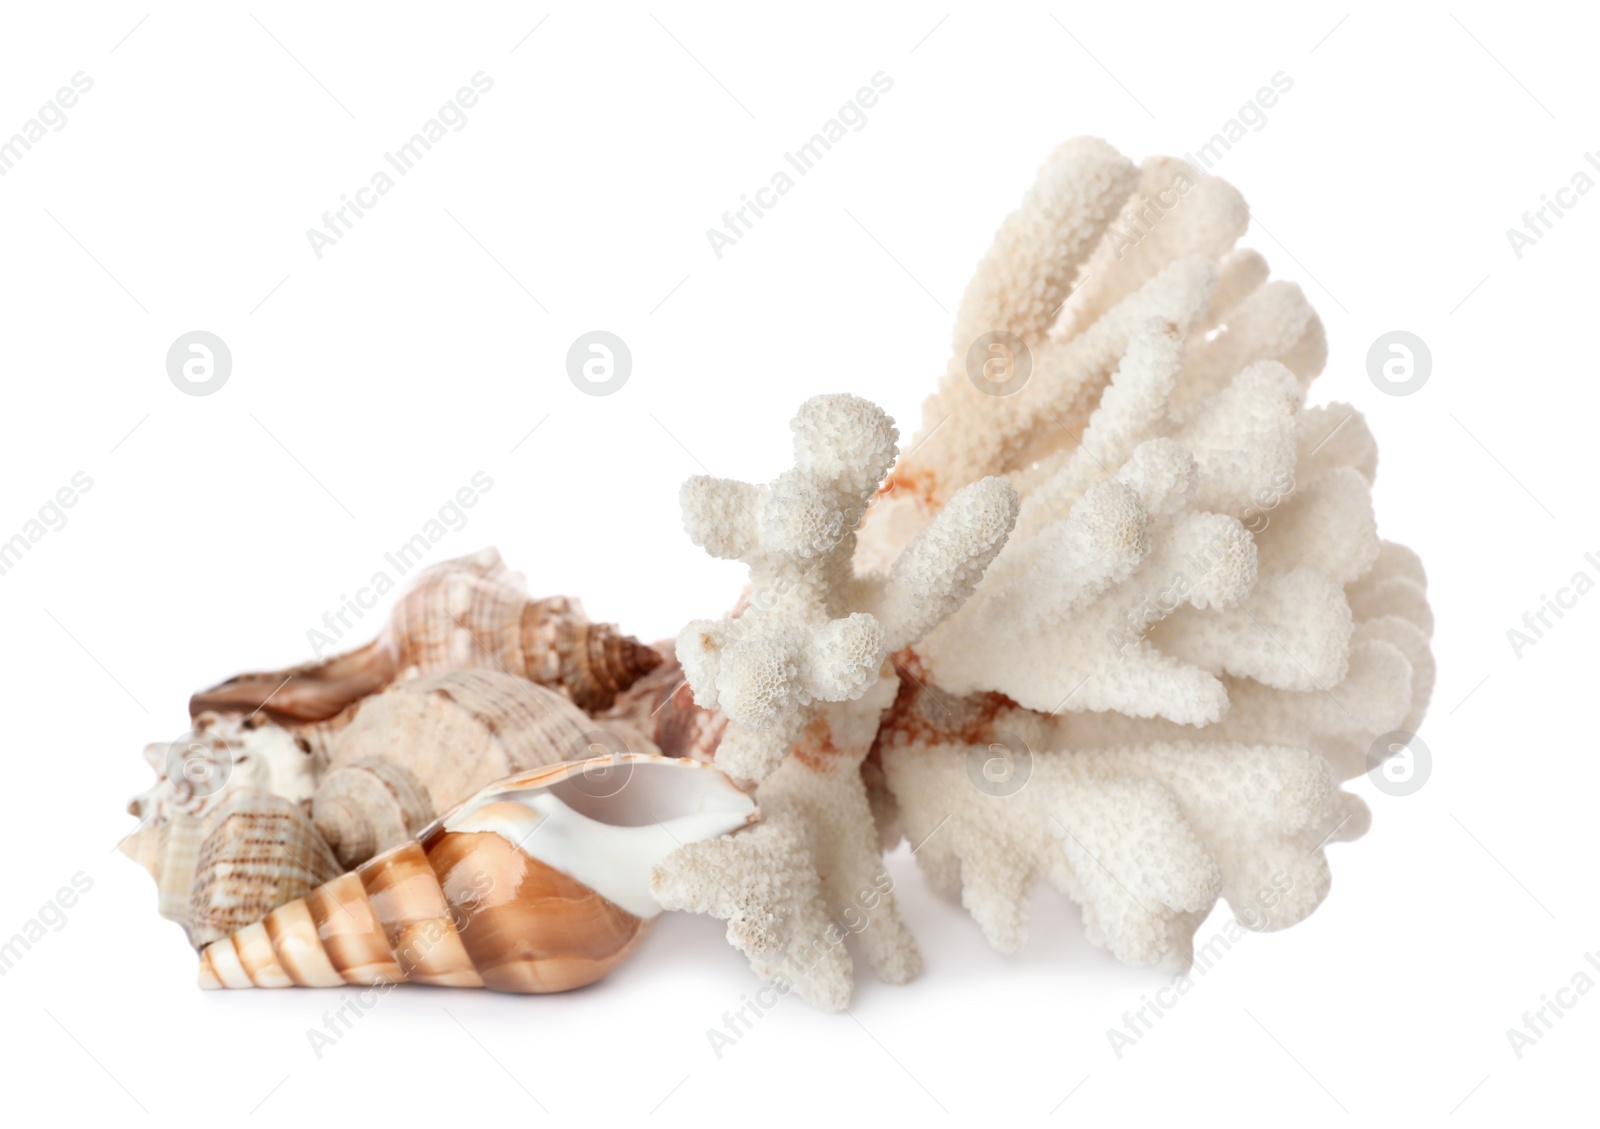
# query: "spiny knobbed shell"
539,883
471,612
425,745
197,771
254,852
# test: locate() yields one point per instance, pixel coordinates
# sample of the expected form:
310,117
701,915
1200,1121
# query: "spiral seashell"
196,772
474,612
252,853
423,746
539,883
471,612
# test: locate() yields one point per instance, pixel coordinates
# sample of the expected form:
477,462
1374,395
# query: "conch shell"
253,852
471,612
539,883
423,746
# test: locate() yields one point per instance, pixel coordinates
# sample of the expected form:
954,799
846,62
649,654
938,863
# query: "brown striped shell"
423,746
471,612
251,853
468,905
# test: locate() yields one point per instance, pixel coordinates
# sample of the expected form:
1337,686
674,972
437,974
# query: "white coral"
1193,634
803,674
796,644
1144,837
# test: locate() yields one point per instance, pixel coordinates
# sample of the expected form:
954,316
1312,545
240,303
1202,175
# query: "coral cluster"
1147,692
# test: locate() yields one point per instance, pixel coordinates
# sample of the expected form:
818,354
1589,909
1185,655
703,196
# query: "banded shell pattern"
539,883
471,612
423,746
250,854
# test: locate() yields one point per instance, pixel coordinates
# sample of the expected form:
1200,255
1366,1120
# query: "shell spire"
479,900
470,612
593,662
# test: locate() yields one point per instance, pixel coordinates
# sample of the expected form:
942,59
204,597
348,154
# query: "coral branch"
1140,579
803,677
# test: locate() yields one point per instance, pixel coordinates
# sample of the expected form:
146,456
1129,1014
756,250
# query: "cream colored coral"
797,643
792,887
1145,838
803,674
1196,580
1193,634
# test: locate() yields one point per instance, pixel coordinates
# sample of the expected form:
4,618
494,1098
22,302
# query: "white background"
369,385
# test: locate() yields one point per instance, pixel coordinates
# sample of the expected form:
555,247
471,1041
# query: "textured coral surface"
803,674
1120,621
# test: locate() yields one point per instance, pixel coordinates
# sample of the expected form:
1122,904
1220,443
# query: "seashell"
423,746
198,771
539,883
661,706
170,851
471,612
254,852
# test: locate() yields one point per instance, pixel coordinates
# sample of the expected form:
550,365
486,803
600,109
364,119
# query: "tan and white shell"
470,612
252,852
539,883
424,745
196,772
